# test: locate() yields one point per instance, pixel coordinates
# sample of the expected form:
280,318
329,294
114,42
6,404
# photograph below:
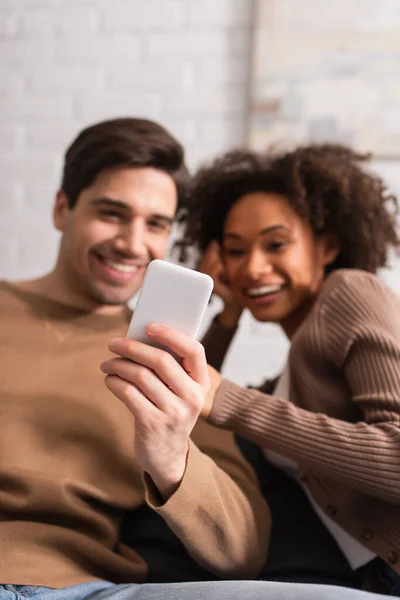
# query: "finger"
214,249
216,269
178,378
133,398
189,349
143,379
210,259
163,364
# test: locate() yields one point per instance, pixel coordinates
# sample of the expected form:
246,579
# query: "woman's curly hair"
324,183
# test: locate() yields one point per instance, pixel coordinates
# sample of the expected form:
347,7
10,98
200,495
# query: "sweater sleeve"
216,342
361,322
217,512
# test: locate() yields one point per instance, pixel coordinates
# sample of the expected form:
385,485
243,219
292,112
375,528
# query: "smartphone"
170,295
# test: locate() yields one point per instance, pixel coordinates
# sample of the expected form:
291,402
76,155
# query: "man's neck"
53,287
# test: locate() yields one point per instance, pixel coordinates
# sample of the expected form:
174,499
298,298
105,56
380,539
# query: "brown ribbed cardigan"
342,423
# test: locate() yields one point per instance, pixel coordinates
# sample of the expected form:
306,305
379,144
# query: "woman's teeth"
264,290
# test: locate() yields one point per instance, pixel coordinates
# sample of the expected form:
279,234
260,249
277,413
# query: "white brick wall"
67,63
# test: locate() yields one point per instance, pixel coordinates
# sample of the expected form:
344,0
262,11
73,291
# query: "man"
72,456
68,467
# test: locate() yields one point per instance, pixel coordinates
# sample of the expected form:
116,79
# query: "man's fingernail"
102,365
115,343
153,329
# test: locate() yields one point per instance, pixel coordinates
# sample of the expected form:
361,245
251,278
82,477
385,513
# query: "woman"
301,236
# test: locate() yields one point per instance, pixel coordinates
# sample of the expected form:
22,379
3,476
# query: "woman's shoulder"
348,286
351,305
351,300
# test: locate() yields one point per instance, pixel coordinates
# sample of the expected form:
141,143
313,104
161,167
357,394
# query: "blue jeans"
213,590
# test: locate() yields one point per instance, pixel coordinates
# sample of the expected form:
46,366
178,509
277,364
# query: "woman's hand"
164,396
211,264
215,381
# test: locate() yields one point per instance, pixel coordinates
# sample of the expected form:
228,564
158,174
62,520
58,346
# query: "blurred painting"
326,71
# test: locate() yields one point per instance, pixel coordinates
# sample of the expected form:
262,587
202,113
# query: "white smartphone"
170,295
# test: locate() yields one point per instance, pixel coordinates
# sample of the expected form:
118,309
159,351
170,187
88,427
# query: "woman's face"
274,262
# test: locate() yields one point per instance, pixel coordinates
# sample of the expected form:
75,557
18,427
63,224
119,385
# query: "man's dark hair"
324,183
123,142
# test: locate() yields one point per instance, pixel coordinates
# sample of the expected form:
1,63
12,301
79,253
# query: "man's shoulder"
16,310
4,285
8,293
13,294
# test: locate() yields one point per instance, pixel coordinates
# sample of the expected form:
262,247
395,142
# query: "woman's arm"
361,322
221,332
216,342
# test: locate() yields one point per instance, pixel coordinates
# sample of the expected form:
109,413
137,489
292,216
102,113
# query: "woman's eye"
276,246
234,252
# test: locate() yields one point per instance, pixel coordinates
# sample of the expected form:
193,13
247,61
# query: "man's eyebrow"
236,236
119,204
161,217
107,200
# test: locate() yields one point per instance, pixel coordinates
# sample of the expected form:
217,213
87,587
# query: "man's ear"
330,248
60,211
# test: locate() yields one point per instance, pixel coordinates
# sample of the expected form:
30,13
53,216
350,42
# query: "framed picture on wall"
326,71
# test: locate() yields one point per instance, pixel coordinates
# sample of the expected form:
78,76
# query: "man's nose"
131,240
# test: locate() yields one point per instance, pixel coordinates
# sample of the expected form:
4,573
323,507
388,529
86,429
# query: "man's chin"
113,296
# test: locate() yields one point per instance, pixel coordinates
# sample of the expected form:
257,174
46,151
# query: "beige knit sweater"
68,471
342,423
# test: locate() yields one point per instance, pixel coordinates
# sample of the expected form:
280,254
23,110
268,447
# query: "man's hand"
165,398
211,264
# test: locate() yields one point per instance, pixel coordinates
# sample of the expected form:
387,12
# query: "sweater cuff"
228,403
188,493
